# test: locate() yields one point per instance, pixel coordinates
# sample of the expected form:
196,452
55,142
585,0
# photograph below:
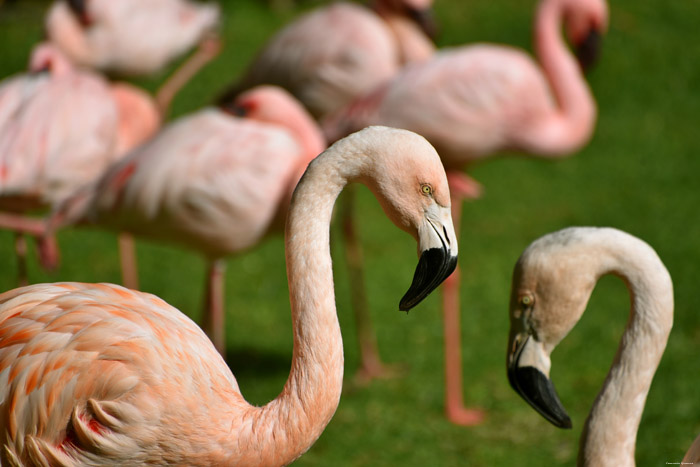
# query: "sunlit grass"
639,173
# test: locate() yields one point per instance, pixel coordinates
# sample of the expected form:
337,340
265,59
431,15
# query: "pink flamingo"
475,101
99,374
135,37
59,129
211,181
338,52
325,59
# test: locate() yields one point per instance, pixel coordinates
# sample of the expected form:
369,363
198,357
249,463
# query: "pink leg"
456,412
207,50
213,323
371,365
23,225
127,258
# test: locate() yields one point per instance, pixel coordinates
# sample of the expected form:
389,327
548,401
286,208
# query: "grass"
639,173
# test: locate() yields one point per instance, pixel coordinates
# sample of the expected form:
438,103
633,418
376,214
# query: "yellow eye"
526,300
427,189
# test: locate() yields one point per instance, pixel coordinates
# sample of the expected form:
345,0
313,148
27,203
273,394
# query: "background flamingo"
99,374
552,282
133,37
475,101
211,181
59,129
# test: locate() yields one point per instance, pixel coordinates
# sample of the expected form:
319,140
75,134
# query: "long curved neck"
284,429
577,111
610,432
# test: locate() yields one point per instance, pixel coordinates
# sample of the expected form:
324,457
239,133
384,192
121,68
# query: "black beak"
435,265
538,391
588,51
425,20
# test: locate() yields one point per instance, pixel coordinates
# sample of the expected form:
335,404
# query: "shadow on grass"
253,362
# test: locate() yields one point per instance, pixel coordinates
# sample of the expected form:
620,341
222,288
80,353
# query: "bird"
59,128
477,101
552,282
103,375
136,38
215,181
340,51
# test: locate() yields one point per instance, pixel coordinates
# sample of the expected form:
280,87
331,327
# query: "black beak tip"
538,391
435,265
588,51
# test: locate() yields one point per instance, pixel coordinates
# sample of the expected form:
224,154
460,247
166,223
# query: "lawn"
639,174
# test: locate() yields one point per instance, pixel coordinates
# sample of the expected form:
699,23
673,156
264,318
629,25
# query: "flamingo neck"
610,432
284,429
576,106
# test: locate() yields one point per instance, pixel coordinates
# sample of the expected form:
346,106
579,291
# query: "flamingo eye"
427,189
526,301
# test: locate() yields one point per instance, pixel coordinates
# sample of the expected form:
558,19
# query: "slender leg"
213,322
127,258
371,365
21,250
455,410
207,50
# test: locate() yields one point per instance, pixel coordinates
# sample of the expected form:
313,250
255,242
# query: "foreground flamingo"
211,181
96,374
136,37
552,282
59,129
338,52
475,101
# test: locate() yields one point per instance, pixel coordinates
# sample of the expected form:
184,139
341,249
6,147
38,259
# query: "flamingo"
60,128
135,37
552,282
212,181
102,375
475,101
338,52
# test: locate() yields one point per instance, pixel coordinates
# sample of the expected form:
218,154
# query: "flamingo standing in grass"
101,375
136,37
476,101
552,282
59,129
211,181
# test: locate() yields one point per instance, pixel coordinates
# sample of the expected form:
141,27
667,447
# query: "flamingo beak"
425,19
528,369
438,257
588,50
79,8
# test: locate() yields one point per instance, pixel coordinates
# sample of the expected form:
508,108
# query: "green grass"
639,174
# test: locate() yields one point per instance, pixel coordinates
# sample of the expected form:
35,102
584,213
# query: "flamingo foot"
462,416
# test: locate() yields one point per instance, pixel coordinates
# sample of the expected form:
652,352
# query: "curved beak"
79,9
528,374
438,255
588,51
425,20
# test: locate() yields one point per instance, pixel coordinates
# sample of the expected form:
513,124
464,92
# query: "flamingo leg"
461,187
214,304
208,49
127,259
371,365
24,226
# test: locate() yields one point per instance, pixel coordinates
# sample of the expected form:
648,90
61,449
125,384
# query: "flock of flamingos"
100,374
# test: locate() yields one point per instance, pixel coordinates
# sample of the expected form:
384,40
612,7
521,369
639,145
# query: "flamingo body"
130,36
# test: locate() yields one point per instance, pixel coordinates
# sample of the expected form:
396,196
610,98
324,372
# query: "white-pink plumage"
209,181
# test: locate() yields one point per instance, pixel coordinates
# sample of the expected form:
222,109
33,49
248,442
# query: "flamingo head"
80,10
419,11
586,22
550,289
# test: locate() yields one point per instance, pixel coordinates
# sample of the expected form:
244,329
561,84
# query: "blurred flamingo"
338,52
473,102
99,374
136,37
216,181
59,129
